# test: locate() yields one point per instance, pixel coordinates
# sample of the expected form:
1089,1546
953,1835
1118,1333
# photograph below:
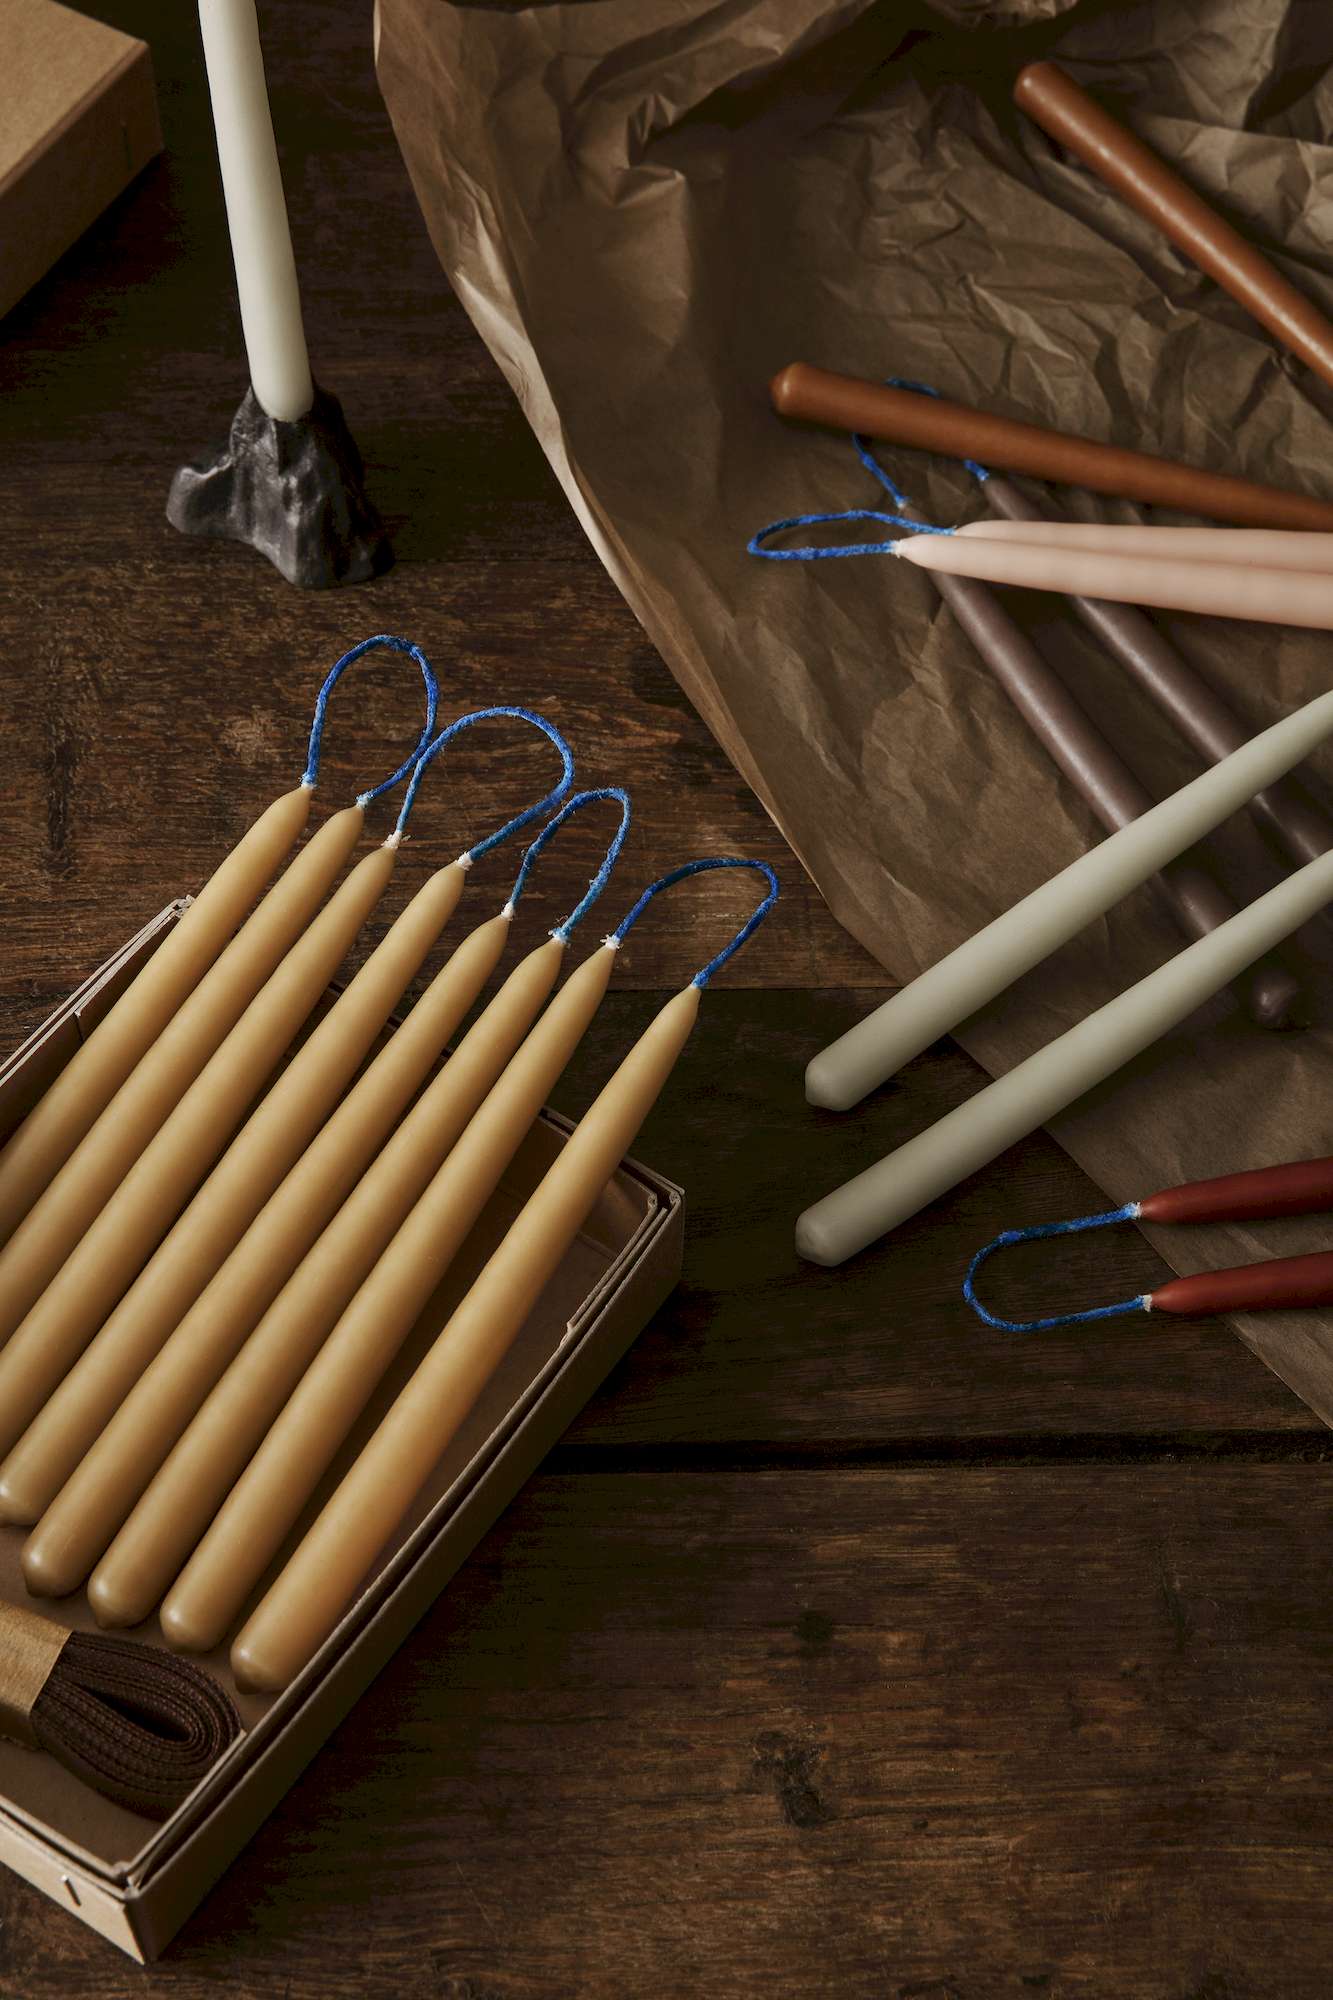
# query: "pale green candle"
1000,953
1049,1081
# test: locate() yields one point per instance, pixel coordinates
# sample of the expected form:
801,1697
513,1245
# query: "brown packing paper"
650,208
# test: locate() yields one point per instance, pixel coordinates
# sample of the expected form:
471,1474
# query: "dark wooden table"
843,1647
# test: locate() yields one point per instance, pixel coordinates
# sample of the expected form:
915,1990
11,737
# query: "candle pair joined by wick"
1298,1187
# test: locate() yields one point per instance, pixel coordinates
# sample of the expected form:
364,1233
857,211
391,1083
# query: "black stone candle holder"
294,491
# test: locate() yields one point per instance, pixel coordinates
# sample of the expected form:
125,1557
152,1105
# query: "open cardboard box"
135,1881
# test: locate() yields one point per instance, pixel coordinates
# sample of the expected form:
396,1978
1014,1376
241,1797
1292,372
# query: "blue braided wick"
520,820
331,679
817,552
688,868
1037,1233
603,875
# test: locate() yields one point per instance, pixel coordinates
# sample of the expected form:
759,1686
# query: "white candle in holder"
261,242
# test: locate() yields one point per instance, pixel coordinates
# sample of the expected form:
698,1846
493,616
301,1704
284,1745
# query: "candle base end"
293,491
816,1242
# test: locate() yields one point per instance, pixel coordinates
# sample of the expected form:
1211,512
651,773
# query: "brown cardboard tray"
137,1882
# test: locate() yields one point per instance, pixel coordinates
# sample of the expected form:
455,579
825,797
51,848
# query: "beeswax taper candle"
177,1051
86,1514
319,1581
272,1140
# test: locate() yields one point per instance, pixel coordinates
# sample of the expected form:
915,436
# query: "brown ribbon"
135,1722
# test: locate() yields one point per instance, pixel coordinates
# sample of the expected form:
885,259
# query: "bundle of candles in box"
1274,564
204,1279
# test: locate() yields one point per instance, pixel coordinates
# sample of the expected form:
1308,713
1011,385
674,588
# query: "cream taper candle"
266,1500
1220,590
272,1139
207,1422
114,1249
929,1165
958,984
62,1216
1251,548
261,242
320,1580
53,1128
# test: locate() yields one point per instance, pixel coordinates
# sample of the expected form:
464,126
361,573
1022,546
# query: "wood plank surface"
844,1646
953,1734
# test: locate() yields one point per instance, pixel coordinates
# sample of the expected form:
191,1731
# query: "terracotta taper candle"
1050,96
320,1579
899,416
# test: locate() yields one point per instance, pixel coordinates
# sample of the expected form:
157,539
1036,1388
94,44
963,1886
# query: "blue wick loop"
603,875
331,679
1038,1232
520,820
817,552
688,868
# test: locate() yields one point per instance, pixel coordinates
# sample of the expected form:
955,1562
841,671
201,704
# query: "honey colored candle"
67,1210
320,1580
89,1080
197,1475
270,1142
117,1245
251,1526
48,1136
279,1479
85,1516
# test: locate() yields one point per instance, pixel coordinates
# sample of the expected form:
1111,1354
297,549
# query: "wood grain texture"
963,1734
845,1647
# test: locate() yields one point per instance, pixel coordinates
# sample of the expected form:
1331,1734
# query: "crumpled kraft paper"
649,206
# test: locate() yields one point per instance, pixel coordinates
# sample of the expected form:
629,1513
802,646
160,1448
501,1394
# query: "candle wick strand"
1038,1232
331,679
579,803
703,867
426,758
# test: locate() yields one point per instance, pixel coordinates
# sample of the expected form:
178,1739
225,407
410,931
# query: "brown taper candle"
1100,775
933,423
1062,108
1201,716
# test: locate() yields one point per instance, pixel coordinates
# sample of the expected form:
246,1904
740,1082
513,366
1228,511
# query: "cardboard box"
137,1882
80,121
